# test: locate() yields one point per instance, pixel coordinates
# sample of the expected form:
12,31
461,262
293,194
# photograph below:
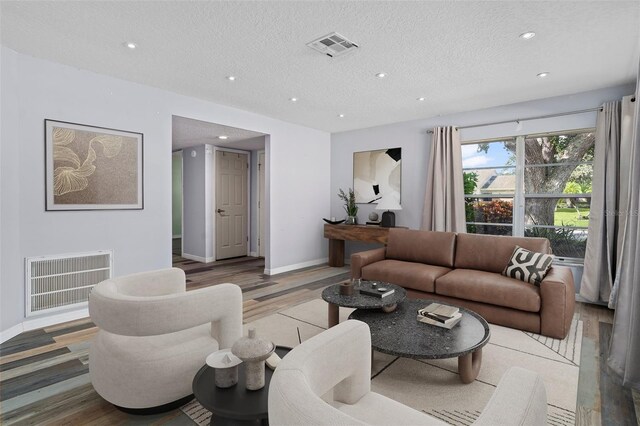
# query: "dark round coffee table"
388,303
235,405
400,333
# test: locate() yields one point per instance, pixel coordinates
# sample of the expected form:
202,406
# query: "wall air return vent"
62,282
333,45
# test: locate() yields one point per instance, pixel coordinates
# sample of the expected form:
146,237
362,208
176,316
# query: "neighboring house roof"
484,177
501,183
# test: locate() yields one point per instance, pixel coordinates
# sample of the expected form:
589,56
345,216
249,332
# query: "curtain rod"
517,120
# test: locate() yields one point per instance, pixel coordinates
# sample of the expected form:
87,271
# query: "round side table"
235,405
357,300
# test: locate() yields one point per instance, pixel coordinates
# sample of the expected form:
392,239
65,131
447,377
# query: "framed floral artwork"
92,168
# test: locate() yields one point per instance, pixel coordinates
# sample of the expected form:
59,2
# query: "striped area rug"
196,412
566,347
433,386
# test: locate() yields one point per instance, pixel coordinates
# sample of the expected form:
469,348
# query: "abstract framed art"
376,174
92,168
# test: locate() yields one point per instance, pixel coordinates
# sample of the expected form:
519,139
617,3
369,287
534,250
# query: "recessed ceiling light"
131,45
223,137
340,115
420,99
293,99
543,74
528,35
381,75
231,77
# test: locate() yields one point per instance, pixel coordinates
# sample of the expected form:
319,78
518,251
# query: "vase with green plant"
349,206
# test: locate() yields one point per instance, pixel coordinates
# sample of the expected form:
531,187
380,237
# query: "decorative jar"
225,365
253,351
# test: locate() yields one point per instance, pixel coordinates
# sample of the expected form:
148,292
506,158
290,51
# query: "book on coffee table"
438,311
376,292
441,315
448,323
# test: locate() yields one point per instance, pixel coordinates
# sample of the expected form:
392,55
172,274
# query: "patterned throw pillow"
528,266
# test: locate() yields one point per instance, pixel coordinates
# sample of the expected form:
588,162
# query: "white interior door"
231,204
261,205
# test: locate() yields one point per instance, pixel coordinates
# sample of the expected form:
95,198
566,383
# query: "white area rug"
433,386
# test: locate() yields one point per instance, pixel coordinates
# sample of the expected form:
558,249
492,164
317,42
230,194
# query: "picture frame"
377,173
92,168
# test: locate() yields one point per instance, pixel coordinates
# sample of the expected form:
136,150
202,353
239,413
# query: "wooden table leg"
334,314
336,253
469,366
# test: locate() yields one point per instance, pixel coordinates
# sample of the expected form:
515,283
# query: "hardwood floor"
601,398
44,373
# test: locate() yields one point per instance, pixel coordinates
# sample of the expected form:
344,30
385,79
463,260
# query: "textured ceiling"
189,132
459,55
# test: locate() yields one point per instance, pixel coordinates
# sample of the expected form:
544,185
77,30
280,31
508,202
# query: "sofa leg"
469,366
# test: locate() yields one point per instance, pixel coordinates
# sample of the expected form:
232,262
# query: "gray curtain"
600,259
626,143
444,196
624,351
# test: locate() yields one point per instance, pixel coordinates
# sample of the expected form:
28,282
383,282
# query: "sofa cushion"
489,287
417,276
491,253
432,248
528,266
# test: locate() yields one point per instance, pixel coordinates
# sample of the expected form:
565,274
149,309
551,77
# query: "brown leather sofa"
464,269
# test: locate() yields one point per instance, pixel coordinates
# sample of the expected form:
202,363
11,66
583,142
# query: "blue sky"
497,155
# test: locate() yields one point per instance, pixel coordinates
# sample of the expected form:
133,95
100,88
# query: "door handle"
220,211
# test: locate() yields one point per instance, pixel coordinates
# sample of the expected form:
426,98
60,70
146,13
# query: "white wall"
34,89
10,293
415,143
194,236
253,204
176,194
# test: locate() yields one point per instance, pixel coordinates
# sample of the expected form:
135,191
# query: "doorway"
220,171
232,204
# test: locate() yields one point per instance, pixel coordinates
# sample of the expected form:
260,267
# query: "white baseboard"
45,321
39,322
253,254
11,332
197,258
295,266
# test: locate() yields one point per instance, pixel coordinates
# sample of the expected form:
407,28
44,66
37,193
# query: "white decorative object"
253,351
226,367
273,361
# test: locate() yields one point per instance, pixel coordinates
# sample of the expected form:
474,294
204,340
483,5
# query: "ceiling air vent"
333,45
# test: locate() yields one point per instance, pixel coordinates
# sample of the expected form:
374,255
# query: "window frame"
520,196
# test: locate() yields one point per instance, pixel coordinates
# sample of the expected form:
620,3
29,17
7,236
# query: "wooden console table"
337,234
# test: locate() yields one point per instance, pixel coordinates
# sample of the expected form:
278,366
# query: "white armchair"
340,359
154,336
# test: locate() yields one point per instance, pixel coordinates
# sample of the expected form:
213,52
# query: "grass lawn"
569,217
